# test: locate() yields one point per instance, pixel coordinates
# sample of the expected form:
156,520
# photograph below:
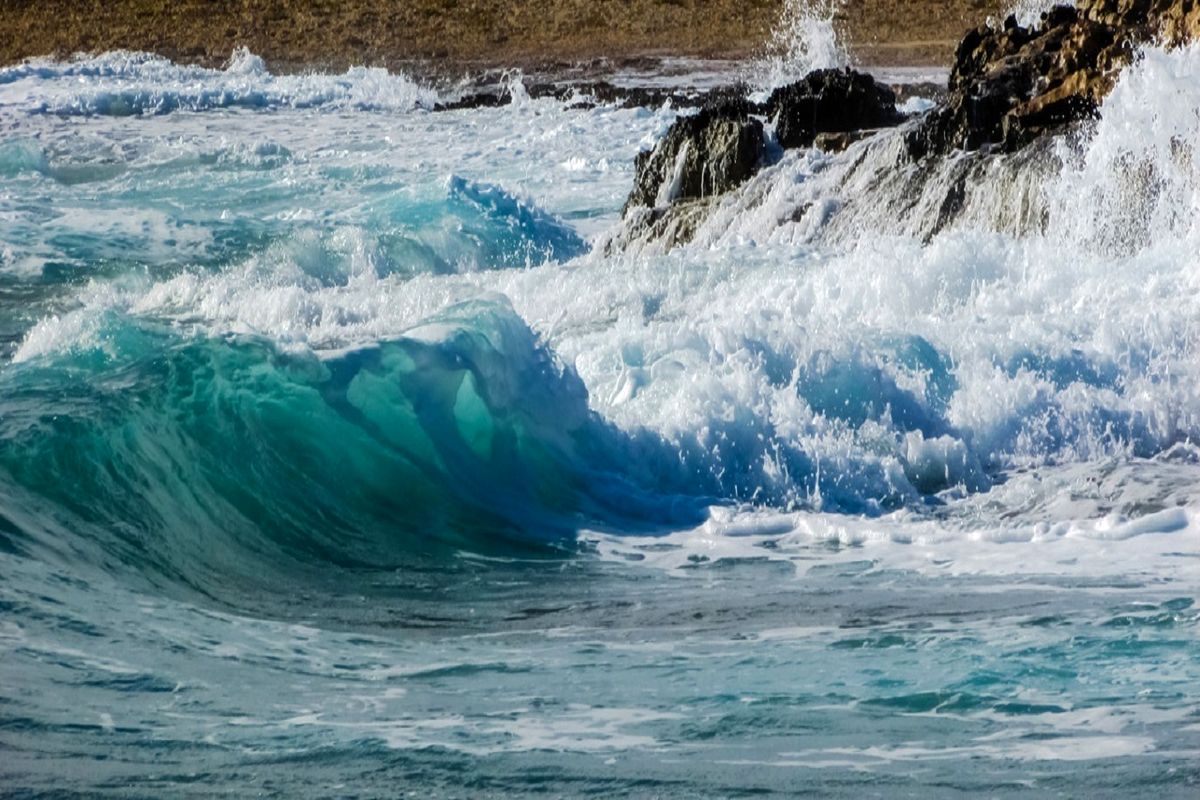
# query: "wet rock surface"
706,155
1010,84
587,94
702,155
830,101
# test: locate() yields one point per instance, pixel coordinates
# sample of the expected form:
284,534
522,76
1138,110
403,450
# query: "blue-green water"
340,457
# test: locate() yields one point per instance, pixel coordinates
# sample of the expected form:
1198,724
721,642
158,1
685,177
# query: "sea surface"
347,449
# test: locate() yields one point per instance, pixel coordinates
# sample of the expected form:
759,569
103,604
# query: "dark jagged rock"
700,158
830,101
717,150
1009,85
487,98
702,155
606,93
588,94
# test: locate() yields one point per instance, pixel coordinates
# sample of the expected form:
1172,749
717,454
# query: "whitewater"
350,448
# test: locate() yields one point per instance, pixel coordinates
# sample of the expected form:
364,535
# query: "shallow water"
337,458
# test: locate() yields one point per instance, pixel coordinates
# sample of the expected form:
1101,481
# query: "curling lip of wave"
462,433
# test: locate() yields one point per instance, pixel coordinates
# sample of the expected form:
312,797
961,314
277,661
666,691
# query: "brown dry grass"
338,33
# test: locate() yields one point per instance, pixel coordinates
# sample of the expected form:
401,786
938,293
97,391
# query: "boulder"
700,156
706,155
722,146
830,101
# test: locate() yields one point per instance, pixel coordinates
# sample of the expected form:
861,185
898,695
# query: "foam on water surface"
124,84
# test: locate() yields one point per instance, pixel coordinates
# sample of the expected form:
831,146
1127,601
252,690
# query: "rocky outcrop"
722,146
706,155
1181,23
703,155
830,101
1011,84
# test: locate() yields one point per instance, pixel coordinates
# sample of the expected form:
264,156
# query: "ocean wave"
128,84
441,428
447,227
192,458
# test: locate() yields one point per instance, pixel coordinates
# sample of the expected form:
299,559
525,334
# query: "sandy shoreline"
322,34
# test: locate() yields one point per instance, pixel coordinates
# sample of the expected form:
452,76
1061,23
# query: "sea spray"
805,38
1137,165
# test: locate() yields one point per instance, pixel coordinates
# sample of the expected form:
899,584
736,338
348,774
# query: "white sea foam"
124,83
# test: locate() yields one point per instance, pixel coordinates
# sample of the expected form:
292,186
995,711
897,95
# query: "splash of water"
1029,12
805,38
